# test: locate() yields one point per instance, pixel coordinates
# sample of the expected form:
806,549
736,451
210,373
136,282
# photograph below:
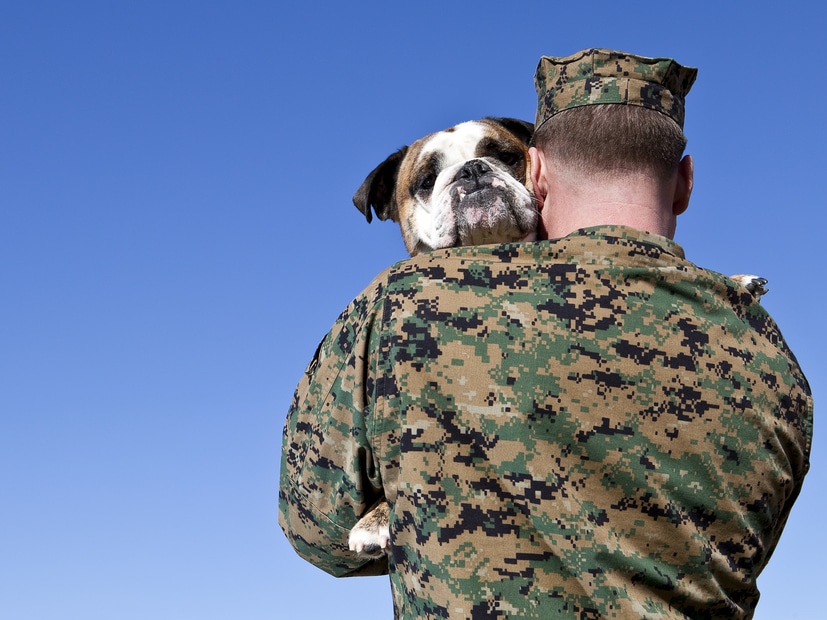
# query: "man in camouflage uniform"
585,427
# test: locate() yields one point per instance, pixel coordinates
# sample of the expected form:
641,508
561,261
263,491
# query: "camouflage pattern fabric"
590,427
597,76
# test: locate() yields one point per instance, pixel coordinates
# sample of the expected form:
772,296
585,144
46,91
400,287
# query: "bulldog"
466,185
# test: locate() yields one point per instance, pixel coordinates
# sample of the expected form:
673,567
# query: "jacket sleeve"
329,475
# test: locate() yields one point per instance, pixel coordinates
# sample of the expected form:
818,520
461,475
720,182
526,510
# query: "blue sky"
176,235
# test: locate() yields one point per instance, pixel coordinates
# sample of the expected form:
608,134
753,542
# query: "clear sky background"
177,234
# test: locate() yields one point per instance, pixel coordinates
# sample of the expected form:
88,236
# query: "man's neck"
635,201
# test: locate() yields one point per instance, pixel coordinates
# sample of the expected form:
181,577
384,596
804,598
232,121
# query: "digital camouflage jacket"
590,427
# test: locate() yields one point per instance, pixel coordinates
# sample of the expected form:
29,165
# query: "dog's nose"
472,170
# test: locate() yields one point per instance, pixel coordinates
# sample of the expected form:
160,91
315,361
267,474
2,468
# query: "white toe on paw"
369,542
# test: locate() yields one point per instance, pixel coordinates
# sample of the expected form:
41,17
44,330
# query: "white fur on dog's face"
442,205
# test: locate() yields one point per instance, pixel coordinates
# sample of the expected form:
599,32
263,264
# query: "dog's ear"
378,189
522,129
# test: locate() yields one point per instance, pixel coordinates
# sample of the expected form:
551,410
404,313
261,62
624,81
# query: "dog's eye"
425,182
509,158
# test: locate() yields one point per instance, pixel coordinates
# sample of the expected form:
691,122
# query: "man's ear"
684,185
538,176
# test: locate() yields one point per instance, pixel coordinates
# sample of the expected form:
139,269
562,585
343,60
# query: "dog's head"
466,185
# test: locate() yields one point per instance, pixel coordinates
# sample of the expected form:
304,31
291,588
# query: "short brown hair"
610,139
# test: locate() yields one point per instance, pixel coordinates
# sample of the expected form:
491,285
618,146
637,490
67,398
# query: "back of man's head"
607,113
612,140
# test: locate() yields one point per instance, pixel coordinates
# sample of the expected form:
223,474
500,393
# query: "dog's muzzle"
471,173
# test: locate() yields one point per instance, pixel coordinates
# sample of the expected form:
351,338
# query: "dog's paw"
370,537
754,284
369,543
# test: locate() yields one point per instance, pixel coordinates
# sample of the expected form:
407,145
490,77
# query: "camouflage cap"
604,76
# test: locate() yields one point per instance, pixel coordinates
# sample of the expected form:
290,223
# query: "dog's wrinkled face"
467,185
